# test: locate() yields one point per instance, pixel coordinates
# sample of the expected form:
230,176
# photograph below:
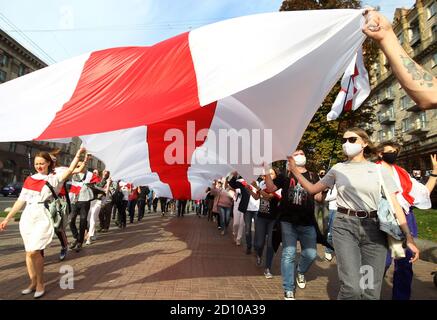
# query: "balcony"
413,108
387,119
418,127
386,99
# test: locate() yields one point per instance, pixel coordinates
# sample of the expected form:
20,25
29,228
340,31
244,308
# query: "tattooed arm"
420,85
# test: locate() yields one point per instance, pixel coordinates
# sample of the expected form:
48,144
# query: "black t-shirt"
296,205
268,208
144,191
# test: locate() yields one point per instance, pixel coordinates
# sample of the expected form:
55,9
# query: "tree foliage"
318,139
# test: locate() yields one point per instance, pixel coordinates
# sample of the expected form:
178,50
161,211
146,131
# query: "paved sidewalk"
171,258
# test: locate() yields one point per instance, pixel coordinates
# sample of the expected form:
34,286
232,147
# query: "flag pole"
339,123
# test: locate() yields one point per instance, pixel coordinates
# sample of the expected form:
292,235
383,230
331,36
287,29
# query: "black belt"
358,214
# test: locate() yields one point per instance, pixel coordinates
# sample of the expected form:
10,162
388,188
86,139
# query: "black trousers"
181,207
80,208
132,204
122,213
105,215
163,202
62,236
141,208
155,204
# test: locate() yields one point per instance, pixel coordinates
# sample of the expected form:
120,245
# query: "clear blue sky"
60,29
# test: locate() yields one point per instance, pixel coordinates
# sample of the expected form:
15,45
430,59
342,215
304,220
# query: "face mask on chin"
389,157
352,149
300,160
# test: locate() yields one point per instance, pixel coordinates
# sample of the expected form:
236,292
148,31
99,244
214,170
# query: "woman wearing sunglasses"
360,246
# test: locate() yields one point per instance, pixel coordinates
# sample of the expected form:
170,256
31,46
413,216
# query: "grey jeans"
361,250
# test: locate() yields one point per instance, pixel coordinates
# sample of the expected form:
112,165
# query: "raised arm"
432,179
73,165
308,186
420,84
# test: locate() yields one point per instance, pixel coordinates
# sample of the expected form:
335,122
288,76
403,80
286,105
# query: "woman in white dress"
36,227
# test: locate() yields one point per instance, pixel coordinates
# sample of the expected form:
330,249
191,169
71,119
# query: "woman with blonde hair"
36,226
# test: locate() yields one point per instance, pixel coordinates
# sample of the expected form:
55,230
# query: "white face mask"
300,160
352,149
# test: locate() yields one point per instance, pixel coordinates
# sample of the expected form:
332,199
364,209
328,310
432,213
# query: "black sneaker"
289,295
63,253
78,247
73,244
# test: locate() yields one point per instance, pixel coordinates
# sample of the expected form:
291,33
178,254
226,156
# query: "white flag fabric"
176,115
355,88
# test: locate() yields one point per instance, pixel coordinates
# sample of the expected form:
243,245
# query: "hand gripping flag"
178,114
355,88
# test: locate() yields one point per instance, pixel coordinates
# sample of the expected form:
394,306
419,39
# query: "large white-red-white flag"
226,96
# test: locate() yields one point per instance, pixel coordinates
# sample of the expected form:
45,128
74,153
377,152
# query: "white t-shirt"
358,185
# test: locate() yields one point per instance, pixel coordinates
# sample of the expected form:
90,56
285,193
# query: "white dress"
36,227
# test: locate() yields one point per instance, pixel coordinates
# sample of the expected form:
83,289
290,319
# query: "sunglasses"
350,139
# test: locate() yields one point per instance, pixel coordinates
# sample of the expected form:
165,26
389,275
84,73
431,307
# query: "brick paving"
172,258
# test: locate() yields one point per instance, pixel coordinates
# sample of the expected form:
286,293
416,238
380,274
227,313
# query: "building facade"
16,158
398,118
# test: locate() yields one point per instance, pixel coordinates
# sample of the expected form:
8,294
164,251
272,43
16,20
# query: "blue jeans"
308,241
264,227
248,226
225,214
329,238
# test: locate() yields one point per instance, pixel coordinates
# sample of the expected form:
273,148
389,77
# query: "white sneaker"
268,274
300,280
289,295
328,256
88,242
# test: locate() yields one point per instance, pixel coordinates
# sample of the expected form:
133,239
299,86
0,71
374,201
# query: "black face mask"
389,157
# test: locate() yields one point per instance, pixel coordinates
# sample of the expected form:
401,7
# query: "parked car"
12,189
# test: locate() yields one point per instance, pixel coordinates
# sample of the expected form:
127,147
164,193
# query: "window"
391,132
21,70
405,124
434,31
380,135
431,10
390,111
12,147
3,60
2,76
405,102
414,33
422,117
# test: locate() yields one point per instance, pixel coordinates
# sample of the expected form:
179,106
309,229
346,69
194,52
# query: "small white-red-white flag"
355,88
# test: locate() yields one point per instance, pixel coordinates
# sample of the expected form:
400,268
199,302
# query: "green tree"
319,137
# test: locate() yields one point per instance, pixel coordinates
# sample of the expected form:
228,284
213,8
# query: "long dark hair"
46,156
